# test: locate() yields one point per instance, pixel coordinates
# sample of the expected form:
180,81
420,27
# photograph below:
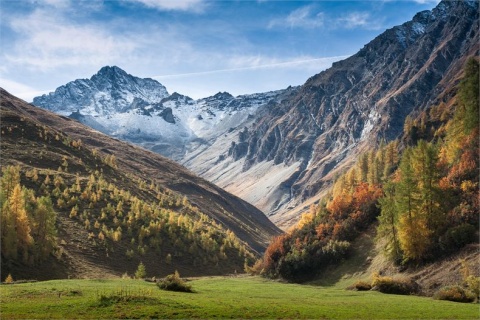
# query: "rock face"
279,149
316,132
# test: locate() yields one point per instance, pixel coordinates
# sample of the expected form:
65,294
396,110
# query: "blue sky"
194,47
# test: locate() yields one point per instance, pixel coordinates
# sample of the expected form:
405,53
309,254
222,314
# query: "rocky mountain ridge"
111,90
344,110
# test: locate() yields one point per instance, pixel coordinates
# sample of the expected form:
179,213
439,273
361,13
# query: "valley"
352,195
116,202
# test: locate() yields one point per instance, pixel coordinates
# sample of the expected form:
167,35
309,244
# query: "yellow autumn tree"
16,207
414,237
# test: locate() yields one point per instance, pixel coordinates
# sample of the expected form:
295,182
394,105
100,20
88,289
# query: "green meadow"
215,297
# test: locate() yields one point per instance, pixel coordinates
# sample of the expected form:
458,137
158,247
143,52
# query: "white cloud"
308,18
355,19
304,17
426,1
61,4
48,41
182,5
20,90
262,62
245,63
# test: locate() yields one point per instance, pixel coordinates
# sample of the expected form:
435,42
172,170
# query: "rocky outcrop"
355,104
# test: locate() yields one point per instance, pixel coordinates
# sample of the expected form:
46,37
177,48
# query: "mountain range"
281,150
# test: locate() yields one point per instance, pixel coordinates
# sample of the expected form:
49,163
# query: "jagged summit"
110,90
111,70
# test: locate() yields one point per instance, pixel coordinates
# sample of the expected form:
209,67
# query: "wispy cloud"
57,3
171,5
303,17
358,19
426,1
21,90
47,41
256,63
308,17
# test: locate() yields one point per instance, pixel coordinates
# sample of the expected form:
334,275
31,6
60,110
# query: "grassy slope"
366,258
243,297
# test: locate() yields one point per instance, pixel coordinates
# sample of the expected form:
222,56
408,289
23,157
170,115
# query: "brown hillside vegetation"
116,205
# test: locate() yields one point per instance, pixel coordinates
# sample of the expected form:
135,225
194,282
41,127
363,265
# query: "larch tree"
424,162
44,227
388,223
414,235
16,205
468,95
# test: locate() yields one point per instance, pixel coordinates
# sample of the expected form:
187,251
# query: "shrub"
458,236
471,281
454,293
473,284
9,279
173,282
394,286
360,286
141,272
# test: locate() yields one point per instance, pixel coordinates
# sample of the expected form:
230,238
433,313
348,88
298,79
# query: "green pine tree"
141,271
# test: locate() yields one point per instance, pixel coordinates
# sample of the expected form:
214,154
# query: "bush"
394,286
141,271
360,286
473,284
454,293
459,236
173,282
9,279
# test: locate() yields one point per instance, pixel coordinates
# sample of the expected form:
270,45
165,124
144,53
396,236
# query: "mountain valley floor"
224,297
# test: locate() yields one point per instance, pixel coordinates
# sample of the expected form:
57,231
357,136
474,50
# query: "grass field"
218,297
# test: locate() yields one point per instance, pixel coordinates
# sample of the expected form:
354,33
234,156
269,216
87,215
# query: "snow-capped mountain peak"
141,110
110,90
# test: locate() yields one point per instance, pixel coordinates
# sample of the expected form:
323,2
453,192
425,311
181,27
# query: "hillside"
408,208
116,204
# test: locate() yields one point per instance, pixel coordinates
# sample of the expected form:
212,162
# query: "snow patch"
372,120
